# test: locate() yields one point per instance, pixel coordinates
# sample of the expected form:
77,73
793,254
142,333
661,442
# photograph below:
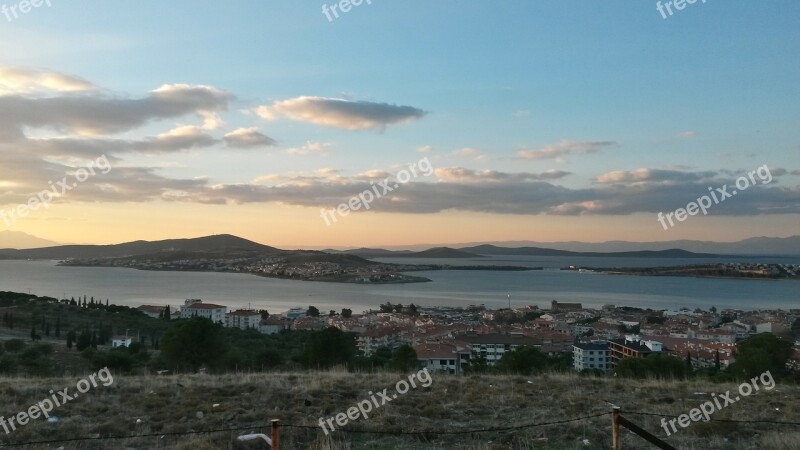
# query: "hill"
20,240
217,243
538,251
158,406
436,252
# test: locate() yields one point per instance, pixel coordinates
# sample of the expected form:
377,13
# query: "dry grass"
185,403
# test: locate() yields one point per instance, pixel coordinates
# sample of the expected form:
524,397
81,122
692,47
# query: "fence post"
276,434
615,426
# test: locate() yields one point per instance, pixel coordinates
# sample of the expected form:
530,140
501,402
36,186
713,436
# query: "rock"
199,414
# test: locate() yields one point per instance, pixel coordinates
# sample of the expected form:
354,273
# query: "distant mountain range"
493,250
436,252
18,239
232,245
210,244
788,246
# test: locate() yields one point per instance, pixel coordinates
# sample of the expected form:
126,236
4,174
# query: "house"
492,346
631,346
372,340
771,327
295,313
196,308
310,323
716,335
595,355
156,312
438,357
121,341
274,325
243,319
562,307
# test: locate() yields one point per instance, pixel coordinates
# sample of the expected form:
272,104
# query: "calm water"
449,288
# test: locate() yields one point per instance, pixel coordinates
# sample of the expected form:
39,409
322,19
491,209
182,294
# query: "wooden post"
276,435
615,427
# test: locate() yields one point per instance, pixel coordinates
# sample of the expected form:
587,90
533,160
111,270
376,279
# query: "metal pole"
615,426
276,435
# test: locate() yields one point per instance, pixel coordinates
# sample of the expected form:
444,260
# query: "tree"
329,347
332,313
70,339
264,314
194,343
688,360
58,326
398,308
84,341
655,365
33,334
717,364
412,310
347,313
312,311
405,359
761,353
523,361
387,307
167,313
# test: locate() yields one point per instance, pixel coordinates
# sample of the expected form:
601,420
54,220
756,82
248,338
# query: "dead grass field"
185,403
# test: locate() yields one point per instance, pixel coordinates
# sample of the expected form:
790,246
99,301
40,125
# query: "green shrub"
15,345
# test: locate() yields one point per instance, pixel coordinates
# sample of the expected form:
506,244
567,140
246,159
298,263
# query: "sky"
522,120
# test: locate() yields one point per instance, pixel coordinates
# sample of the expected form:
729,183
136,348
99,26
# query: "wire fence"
162,437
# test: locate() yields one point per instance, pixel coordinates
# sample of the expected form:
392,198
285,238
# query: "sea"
494,289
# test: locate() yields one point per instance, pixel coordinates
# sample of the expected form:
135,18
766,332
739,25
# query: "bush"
15,345
117,359
8,364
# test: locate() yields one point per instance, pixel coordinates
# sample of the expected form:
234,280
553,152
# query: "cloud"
687,134
340,113
564,148
310,148
94,114
248,138
29,81
645,175
178,139
425,149
461,175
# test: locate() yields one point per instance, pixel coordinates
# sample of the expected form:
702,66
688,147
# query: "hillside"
538,251
20,240
217,243
247,402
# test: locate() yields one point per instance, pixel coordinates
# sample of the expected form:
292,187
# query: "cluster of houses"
449,339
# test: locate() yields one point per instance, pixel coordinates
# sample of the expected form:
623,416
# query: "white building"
295,313
492,346
438,357
121,341
591,356
243,319
274,325
196,308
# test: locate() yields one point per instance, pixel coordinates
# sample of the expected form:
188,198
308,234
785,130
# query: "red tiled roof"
204,306
435,351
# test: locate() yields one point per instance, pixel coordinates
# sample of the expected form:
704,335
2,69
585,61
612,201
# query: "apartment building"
594,355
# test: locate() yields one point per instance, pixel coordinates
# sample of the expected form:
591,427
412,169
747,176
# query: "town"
451,339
